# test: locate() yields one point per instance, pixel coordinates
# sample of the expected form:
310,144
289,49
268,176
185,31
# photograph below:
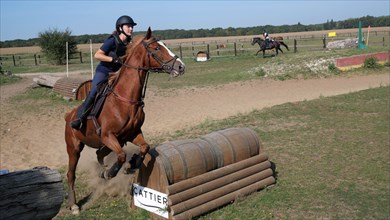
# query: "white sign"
150,200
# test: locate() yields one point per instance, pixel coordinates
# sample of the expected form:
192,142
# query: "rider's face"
128,29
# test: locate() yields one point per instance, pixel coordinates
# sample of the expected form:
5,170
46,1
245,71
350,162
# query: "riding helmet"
122,20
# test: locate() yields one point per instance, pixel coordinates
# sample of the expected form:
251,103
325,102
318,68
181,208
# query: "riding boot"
82,113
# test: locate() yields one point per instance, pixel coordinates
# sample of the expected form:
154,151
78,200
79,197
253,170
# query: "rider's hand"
115,58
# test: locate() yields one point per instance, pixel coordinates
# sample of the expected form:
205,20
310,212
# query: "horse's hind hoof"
127,169
75,209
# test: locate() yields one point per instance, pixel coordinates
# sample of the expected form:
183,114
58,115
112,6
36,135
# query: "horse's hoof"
136,161
104,174
75,209
127,169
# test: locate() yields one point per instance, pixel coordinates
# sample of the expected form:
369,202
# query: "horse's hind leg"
74,151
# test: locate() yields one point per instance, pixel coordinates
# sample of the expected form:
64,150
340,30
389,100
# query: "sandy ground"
29,140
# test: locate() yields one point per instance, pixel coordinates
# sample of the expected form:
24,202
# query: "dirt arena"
29,140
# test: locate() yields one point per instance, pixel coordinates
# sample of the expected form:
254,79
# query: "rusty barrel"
183,159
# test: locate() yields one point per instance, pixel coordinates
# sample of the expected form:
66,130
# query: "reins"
164,67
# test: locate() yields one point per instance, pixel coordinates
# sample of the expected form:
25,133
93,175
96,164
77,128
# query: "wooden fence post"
13,58
181,52
324,42
81,57
295,45
208,49
235,49
35,59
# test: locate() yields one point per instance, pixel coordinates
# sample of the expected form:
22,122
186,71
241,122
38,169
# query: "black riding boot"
82,113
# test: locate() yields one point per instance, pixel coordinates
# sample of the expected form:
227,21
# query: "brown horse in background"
122,114
278,38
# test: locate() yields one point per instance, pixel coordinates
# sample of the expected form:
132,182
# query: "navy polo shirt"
107,67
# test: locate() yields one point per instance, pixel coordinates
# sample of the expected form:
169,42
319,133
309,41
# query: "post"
217,50
90,50
208,49
35,59
235,49
324,42
81,57
67,63
181,52
13,58
295,45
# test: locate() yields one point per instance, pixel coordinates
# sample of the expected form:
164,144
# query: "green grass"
331,156
4,79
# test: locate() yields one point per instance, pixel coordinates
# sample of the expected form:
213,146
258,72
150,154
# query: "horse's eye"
157,49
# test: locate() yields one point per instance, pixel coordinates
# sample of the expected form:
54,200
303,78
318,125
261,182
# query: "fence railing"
214,48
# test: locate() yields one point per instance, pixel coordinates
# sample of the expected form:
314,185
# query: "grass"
331,156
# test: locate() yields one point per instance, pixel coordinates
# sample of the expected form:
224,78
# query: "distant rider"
266,38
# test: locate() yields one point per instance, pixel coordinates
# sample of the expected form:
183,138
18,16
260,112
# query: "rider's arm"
101,56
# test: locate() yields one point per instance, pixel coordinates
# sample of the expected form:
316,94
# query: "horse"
278,38
272,45
122,115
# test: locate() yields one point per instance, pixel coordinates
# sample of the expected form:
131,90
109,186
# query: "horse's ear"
148,34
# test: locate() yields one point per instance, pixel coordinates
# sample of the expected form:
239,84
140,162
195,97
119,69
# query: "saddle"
103,90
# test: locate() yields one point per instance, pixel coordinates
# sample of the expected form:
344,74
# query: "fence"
221,48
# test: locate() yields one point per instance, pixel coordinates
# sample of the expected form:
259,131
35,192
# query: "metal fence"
227,48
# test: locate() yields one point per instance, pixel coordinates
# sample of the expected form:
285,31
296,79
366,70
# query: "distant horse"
278,38
122,114
272,45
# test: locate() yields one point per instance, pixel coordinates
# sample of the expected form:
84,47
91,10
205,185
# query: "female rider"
109,56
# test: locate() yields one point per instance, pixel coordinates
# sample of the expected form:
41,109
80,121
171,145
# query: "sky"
25,19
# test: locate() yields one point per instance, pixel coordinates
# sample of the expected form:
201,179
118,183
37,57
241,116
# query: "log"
221,191
215,174
46,80
31,194
217,183
223,200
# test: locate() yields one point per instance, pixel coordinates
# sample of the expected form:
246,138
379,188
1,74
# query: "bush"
53,44
370,62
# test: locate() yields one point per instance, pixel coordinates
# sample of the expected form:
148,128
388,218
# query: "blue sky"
25,19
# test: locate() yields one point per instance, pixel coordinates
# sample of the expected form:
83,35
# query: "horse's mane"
129,52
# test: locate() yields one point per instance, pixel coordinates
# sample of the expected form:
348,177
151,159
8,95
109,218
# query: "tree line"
380,21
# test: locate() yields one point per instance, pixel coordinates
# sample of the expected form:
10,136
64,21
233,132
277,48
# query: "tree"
53,44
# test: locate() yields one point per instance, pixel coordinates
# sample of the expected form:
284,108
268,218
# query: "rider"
109,56
266,38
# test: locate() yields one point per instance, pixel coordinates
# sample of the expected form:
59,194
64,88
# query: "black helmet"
124,20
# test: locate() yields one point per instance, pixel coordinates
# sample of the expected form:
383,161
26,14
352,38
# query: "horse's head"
159,57
256,40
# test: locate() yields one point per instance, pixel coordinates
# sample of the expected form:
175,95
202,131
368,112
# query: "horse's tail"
282,43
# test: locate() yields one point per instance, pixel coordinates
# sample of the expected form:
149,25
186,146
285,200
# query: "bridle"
164,67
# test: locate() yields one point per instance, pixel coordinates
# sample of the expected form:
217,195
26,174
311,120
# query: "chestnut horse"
122,114
272,45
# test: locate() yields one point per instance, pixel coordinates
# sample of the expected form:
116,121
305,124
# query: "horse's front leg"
101,154
112,143
136,159
258,52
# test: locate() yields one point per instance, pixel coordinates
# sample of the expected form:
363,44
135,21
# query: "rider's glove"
115,58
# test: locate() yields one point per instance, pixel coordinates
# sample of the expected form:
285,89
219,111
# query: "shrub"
370,62
53,44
